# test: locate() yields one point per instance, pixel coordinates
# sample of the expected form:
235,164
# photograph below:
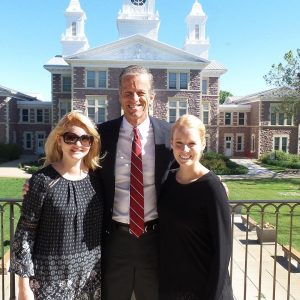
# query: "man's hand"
25,188
225,186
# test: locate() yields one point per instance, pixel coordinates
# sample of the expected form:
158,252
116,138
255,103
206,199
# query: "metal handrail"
247,207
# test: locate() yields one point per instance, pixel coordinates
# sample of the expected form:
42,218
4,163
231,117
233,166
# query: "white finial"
197,9
74,6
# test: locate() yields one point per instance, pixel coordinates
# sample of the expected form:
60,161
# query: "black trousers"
130,265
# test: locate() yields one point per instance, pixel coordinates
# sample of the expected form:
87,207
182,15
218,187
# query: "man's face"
135,97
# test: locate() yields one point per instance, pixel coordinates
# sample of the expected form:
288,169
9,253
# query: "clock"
138,2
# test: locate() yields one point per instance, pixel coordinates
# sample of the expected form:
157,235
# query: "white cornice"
134,48
234,107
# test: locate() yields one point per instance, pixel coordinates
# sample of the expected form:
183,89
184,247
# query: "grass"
262,189
9,188
271,189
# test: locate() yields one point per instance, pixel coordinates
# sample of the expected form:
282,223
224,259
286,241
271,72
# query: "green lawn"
268,189
262,189
9,188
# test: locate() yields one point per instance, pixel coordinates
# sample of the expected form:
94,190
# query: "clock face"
138,2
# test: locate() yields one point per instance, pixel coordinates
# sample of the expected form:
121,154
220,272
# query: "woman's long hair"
53,150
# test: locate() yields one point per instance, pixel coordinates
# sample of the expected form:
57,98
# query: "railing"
7,277
255,255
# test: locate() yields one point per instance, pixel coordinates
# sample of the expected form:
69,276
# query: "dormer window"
74,29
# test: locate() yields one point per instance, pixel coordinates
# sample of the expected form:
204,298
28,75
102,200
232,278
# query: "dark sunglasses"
72,138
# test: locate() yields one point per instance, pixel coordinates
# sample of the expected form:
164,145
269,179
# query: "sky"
246,37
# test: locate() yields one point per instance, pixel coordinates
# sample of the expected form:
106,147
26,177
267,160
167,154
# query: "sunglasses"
72,138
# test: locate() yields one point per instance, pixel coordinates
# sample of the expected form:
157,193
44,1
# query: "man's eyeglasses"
71,138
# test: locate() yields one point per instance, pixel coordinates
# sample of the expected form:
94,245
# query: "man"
130,263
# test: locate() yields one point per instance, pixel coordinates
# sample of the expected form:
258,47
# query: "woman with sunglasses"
57,251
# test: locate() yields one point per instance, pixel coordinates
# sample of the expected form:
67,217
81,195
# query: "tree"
224,95
286,76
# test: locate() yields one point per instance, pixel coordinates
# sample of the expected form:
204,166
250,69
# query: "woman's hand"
25,292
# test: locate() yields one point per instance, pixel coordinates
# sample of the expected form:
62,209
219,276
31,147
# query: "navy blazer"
109,134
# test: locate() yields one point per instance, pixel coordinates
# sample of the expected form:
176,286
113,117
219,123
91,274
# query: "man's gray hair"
136,70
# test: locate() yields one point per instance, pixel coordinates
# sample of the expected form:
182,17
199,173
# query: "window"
66,84
205,113
172,80
178,80
279,118
280,143
241,118
74,29
197,35
228,118
239,142
204,86
39,116
91,79
64,107
97,109
96,79
183,81
25,115
273,118
102,79
27,140
289,119
177,108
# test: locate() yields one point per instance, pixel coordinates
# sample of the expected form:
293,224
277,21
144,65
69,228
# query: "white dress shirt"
122,171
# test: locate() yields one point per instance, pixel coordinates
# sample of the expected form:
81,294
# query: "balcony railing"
260,267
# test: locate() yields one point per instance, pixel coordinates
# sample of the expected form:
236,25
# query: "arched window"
74,31
197,32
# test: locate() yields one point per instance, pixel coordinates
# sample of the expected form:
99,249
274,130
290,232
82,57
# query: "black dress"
57,240
195,240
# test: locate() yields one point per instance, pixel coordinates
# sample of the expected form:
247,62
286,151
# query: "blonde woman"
57,251
194,223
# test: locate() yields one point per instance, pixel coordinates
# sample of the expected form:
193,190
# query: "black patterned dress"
58,238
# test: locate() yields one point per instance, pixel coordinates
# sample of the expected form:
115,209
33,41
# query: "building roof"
273,94
7,92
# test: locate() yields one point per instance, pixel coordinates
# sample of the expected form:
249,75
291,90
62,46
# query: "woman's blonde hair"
190,121
53,150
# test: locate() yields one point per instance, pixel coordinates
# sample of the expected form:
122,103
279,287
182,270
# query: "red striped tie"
136,224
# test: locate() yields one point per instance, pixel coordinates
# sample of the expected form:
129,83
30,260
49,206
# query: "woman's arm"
220,224
25,292
25,235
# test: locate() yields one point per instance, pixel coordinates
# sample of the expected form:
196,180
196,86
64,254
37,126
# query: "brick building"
186,81
24,120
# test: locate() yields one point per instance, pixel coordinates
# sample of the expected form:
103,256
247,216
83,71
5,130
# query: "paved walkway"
11,169
255,171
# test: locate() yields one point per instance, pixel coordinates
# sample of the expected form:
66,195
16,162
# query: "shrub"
32,169
281,159
222,165
9,152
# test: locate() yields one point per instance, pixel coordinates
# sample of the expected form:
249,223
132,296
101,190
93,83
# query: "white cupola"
138,17
196,43
74,39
